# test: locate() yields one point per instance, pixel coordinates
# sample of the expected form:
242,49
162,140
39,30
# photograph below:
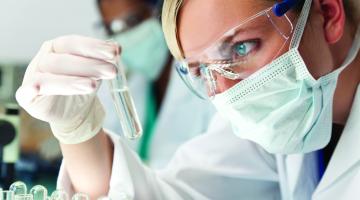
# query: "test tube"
80,196
7,195
104,198
39,192
59,195
24,197
124,105
18,187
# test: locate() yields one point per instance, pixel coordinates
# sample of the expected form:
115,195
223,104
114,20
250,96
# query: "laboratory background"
29,151
31,156
166,124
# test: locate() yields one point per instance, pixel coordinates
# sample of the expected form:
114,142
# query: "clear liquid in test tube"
124,105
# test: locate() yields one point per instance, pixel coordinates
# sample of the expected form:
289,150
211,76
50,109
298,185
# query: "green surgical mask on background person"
144,49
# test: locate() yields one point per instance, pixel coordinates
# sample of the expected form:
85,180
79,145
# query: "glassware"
24,197
39,192
59,195
80,196
124,105
104,198
18,187
7,195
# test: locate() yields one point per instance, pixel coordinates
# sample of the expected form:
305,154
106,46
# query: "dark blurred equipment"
10,79
20,159
9,144
11,76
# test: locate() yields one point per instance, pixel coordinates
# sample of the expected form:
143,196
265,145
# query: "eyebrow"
228,36
237,31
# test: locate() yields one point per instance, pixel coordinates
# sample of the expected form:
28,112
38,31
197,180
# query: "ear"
334,19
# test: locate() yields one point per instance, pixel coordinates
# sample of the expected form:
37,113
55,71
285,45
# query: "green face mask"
143,49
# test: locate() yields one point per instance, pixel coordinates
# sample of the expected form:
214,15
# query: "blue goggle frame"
281,8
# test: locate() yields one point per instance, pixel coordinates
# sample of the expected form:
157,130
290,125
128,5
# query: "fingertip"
117,51
114,72
94,84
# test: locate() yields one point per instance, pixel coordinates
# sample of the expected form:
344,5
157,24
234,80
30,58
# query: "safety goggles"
237,54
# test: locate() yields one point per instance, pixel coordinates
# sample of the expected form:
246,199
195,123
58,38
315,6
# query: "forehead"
201,22
113,8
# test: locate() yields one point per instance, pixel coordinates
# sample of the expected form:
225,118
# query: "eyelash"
196,71
257,44
254,44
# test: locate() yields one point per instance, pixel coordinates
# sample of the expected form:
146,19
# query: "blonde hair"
171,9
169,23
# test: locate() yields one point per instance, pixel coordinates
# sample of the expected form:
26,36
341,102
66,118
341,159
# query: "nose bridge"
210,80
215,82
220,83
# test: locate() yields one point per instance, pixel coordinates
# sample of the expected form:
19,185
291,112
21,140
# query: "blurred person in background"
162,100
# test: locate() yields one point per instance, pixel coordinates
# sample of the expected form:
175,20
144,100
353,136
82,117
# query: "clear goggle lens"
237,54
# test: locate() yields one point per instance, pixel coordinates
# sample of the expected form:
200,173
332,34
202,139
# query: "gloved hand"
60,85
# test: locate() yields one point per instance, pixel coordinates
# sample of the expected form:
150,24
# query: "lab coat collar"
347,152
301,175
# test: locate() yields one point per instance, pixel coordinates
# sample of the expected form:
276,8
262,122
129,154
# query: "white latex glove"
60,85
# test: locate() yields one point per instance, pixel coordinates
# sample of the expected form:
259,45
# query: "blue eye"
242,49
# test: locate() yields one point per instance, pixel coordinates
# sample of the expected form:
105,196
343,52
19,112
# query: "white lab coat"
218,165
176,122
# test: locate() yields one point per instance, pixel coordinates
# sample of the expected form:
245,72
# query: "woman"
153,82
273,83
